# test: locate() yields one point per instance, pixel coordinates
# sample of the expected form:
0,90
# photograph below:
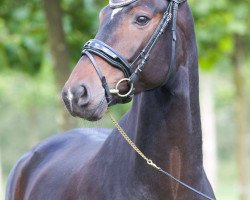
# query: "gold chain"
131,143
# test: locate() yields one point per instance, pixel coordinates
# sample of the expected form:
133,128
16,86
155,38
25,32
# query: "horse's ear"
120,3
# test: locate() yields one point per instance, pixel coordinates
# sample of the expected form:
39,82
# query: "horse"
145,51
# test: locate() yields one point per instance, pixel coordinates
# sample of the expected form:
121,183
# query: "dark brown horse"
164,121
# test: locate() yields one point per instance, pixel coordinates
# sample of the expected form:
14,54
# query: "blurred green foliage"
22,35
23,32
27,91
217,22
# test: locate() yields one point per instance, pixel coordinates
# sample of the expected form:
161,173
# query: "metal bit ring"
117,91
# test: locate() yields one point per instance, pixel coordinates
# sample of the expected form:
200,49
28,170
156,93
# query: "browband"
120,3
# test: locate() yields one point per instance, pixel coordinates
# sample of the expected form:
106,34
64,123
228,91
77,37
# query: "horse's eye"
142,20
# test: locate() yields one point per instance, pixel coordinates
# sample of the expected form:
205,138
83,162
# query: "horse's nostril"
82,96
81,91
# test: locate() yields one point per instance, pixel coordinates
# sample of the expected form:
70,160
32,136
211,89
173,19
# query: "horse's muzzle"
76,99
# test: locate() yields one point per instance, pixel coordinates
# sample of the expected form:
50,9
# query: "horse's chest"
117,191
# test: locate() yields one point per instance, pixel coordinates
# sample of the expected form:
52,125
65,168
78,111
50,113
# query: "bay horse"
146,51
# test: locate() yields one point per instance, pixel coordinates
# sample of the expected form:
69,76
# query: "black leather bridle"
110,55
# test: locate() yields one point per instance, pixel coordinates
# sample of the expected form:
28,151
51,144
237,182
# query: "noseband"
110,55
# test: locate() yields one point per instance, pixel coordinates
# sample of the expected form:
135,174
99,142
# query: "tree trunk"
240,114
209,127
60,55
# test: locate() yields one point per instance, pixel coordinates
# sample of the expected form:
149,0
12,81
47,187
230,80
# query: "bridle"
110,55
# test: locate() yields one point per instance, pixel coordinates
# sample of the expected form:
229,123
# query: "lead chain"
131,143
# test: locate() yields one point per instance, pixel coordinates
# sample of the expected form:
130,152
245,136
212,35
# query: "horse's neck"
166,127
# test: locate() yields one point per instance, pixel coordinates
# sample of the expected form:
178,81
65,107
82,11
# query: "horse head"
133,51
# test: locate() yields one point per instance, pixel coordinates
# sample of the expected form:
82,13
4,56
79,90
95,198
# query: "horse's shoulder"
72,138
71,141
70,149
